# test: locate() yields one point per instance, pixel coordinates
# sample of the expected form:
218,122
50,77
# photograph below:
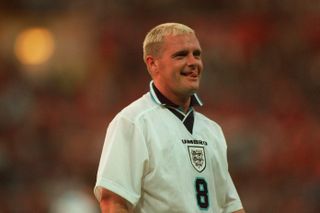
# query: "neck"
185,104
183,101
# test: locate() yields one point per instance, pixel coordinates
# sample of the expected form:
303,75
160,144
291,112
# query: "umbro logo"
195,142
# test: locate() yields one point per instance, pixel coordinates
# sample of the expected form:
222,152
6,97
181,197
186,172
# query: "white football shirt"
152,160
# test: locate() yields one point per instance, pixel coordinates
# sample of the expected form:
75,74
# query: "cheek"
200,65
171,70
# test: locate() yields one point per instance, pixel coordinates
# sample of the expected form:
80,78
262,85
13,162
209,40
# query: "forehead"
178,42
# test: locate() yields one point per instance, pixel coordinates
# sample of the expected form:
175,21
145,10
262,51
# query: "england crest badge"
197,157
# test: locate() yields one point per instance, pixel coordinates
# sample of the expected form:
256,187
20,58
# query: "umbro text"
198,142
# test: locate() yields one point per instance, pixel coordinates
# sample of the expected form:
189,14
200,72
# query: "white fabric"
146,160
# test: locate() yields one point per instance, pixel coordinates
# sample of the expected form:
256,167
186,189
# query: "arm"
240,211
113,203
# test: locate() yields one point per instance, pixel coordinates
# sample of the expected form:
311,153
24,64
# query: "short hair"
154,38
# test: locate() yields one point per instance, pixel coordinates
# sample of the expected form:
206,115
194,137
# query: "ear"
152,65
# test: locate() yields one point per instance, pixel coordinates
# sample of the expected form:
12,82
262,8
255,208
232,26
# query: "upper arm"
113,203
240,211
124,148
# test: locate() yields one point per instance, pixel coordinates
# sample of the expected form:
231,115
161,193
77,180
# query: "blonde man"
160,155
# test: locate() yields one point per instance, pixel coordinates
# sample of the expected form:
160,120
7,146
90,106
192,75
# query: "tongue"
188,73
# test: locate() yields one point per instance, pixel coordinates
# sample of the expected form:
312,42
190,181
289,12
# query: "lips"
191,73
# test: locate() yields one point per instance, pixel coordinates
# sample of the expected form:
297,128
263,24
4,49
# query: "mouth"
191,74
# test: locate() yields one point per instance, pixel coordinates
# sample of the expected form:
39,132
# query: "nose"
193,61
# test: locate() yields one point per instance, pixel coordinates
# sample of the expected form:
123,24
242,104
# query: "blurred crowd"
261,84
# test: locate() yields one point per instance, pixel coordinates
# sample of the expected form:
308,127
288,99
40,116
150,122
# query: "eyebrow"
196,52
180,53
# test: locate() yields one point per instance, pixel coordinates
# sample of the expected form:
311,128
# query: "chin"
194,87
192,90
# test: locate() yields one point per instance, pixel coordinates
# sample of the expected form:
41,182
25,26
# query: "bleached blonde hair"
153,41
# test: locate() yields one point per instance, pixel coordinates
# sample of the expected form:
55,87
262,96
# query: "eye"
180,54
197,53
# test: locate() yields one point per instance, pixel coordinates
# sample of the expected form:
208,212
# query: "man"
159,154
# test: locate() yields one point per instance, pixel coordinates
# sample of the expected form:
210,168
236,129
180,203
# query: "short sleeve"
123,160
233,202
232,199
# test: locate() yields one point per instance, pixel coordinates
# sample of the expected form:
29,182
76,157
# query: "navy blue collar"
162,100
186,118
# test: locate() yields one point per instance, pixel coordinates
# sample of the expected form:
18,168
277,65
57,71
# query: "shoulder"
137,109
210,127
207,121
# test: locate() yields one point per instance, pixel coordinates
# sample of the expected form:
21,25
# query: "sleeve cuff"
235,206
116,188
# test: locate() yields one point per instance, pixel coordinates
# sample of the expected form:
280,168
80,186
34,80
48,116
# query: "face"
178,67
